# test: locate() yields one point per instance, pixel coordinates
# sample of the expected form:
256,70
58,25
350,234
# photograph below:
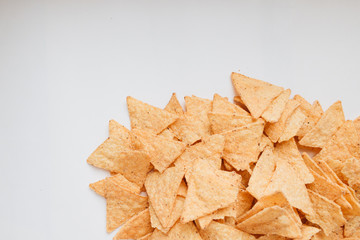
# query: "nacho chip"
271,220
174,106
227,166
273,113
182,189
119,180
351,172
162,189
146,237
209,189
237,100
327,214
292,125
121,205
199,107
225,122
264,142
223,106
168,134
219,231
357,124
336,234
325,187
307,232
328,124
136,227
178,232
237,140
145,116
187,129
352,227
219,214
256,94
243,203
120,133
271,237
312,165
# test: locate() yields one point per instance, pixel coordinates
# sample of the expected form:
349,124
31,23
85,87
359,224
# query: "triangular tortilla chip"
119,180
209,189
219,231
307,232
168,134
223,106
162,190
243,203
237,100
312,165
242,145
351,173
162,151
336,234
273,113
289,152
204,221
352,227
136,227
211,148
327,214
256,94
329,123
121,205
174,105
292,125
182,189
146,237
178,232
145,116
262,174
225,122
275,130
271,220
121,133
187,128
264,142
271,237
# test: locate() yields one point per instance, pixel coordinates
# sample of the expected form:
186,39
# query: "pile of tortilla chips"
265,167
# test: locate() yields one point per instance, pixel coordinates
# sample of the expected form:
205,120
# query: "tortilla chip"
174,106
311,164
188,129
243,203
162,151
121,205
351,172
325,187
168,134
357,124
237,140
307,232
237,100
136,227
264,142
204,221
256,94
352,227
162,189
326,214
145,116
178,232
146,237
199,107
292,125
120,133
271,237
275,130
227,166
273,113
328,124
288,151
119,180
219,231
271,220
182,189
225,122
211,148
209,189
223,106
336,234
262,174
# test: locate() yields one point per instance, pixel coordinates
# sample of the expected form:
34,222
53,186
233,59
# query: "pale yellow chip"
178,232
120,133
219,231
262,174
188,129
162,189
307,232
326,214
352,227
174,105
119,180
221,122
292,125
265,142
121,205
162,151
145,116
351,172
256,94
211,148
209,189
199,108
275,130
223,106
288,151
271,220
247,137
273,113
136,227
328,124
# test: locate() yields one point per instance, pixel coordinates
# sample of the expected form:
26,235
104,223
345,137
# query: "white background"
66,68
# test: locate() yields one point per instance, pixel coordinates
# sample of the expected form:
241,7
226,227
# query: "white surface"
67,66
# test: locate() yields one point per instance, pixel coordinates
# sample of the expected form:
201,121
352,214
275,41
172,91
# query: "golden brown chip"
174,105
219,231
326,214
120,133
221,122
352,227
307,232
121,205
162,189
136,227
243,203
209,189
223,106
256,94
292,125
237,140
145,116
188,129
119,180
328,124
178,232
271,220
199,108
273,112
